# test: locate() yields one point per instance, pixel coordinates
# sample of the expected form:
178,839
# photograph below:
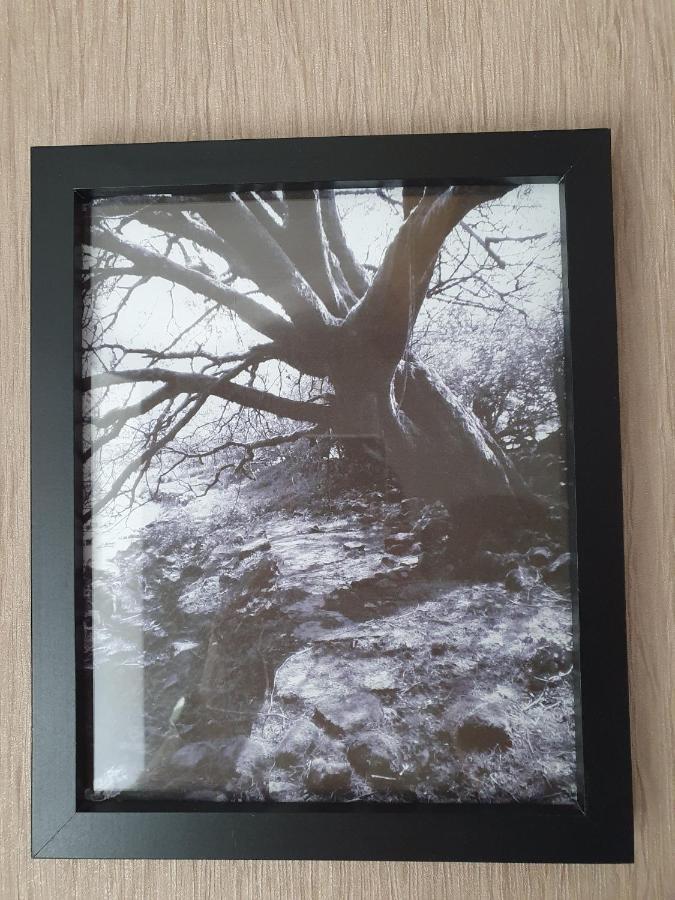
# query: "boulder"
488,565
547,663
375,755
411,506
399,543
328,776
482,732
340,716
557,574
354,546
281,789
259,546
539,556
519,579
429,531
381,681
258,575
298,743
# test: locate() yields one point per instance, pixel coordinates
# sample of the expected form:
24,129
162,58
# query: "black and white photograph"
327,542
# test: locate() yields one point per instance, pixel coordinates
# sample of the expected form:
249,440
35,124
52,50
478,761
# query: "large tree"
317,311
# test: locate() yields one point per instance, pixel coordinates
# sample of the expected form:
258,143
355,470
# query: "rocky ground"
300,646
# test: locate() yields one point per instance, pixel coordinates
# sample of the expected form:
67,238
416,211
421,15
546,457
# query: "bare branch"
352,271
275,274
211,385
152,263
386,314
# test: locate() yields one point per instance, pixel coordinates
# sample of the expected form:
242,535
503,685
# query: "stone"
547,663
489,565
429,531
557,574
354,546
539,556
278,789
375,755
258,575
254,547
189,756
411,506
383,680
192,571
518,579
480,733
328,776
399,543
340,716
298,743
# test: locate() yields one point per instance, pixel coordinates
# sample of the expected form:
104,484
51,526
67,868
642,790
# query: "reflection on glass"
327,520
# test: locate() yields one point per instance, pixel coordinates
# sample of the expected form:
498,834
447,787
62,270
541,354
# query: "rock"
189,756
490,566
328,776
547,663
480,733
314,529
226,580
395,520
519,579
258,575
539,556
254,547
435,562
382,680
254,759
375,755
429,531
354,546
340,716
192,571
399,543
298,743
557,574
278,789
411,506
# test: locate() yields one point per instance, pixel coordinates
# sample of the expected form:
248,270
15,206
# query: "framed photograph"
326,501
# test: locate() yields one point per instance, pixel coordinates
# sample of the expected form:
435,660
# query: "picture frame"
65,823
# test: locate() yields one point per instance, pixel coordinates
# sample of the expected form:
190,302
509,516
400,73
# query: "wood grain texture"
90,71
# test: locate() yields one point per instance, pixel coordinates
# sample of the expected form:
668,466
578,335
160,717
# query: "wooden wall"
98,71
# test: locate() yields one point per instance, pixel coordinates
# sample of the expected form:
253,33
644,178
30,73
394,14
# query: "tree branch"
211,385
355,276
386,314
266,263
150,263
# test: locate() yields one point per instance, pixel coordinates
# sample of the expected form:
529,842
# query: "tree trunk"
434,445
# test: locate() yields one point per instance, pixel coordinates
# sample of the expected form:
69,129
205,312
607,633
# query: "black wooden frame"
600,828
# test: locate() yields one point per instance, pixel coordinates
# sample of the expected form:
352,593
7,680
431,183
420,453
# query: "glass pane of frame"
326,496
